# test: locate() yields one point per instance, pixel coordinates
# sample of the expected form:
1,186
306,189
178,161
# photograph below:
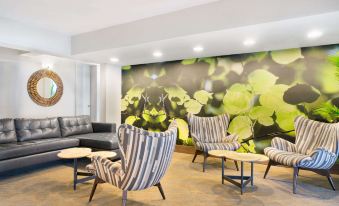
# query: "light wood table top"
104,154
243,157
75,153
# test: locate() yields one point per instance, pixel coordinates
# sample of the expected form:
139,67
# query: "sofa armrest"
99,127
282,144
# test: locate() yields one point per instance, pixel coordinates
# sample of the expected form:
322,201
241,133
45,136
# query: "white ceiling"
132,30
291,33
78,16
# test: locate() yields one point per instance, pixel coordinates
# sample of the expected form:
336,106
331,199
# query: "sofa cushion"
75,125
7,131
104,141
20,149
31,129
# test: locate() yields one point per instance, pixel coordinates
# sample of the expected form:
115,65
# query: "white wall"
113,94
82,89
17,35
106,81
15,71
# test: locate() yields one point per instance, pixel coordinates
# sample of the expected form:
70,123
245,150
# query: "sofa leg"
295,178
205,158
236,165
268,168
329,178
195,156
161,190
124,197
95,184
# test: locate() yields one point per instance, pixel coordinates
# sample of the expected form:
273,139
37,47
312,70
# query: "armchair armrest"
194,138
230,138
319,158
107,165
282,144
99,127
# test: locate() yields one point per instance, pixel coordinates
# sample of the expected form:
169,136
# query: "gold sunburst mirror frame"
33,88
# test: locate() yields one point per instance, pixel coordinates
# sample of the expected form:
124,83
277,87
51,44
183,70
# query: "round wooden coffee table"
242,157
104,154
81,152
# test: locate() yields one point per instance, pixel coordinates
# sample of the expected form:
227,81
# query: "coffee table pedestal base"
88,176
244,180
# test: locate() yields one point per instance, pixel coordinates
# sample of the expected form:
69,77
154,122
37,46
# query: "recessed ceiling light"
114,59
314,34
249,42
198,49
157,54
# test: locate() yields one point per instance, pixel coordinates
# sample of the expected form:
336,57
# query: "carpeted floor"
184,184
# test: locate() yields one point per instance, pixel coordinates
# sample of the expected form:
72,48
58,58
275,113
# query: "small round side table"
75,154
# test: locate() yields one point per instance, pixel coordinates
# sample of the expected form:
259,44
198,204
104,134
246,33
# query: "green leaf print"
242,126
188,61
131,119
177,95
262,114
202,96
261,80
237,102
192,106
286,56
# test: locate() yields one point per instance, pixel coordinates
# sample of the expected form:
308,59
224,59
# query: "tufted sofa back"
75,125
31,129
7,131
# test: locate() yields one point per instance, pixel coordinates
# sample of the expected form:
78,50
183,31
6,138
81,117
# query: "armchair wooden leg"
95,184
161,190
295,177
205,158
236,165
195,155
124,197
268,168
329,178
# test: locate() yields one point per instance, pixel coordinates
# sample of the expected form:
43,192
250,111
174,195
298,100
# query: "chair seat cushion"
291,159
20,149
104,141
231,146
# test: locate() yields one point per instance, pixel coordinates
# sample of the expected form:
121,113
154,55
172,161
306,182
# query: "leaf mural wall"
263,92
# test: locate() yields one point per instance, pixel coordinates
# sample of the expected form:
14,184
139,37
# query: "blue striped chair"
315,149
210,133
145,157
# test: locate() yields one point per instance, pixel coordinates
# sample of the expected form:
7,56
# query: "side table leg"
252,177
242,177
75,175
222,170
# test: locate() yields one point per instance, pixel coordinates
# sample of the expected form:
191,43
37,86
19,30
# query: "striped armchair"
315,149
210,133
145,157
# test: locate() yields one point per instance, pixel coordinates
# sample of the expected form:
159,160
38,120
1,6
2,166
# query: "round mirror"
45,87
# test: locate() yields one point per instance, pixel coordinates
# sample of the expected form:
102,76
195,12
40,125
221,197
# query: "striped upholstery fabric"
145,158
210,133
316,145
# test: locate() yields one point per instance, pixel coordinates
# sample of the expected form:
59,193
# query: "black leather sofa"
25,142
